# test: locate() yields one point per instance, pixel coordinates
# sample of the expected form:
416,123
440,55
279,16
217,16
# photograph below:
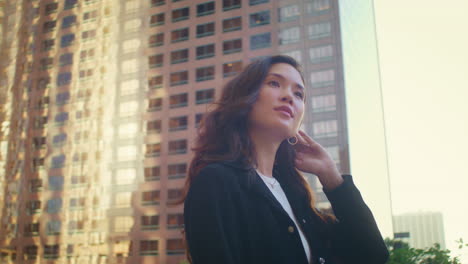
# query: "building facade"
421,229
102,101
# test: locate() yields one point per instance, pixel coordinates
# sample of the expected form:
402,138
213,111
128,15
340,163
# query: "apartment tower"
101,101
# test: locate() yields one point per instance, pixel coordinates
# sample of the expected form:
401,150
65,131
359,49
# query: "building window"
90,16
30,252
66,59
88,35
153,127
231,68
157,20
260,18
152,173
54,205
51,251
155,104
232,46
231,4
157,2
38,164
232,24
64,78
53,227
151,197
257,2
78,181
324,103
178,100
33,207
176,171
39,142
58,161
155,61
173,195
43,102
289,35
156,40
334,153
40,122
75,226
46,63
125,176
204,96
205,51
178,123
179,56
123,200
149,248
318,7
205,73
328,128
59,140
150,222
204,9
179,35
86,54
178,147
43,83
179,78
48,44
55,183
86,74
51,8
296,54
321,54
204,30
260,41
67,40
68,21
35,185
288,13
175,247
153,150
123,223
31,229
155,82
49,26
320,30
61,118
180,14
322,78
70,4
175,221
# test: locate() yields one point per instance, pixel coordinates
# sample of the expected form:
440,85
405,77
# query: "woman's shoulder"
220,171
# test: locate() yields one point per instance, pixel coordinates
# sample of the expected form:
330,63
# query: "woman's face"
279,108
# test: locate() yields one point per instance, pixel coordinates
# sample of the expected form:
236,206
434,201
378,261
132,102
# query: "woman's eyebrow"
284,78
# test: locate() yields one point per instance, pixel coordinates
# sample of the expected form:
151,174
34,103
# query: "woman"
246,201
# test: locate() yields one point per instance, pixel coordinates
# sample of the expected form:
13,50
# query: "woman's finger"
309,140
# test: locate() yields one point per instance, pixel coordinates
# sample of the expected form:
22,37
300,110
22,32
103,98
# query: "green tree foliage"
401,253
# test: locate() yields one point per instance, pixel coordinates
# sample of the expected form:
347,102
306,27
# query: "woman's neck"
265,151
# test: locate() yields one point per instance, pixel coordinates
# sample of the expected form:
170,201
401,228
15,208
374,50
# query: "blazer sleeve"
355,235
212,225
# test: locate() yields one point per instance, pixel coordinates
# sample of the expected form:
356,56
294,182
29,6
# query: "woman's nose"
287,98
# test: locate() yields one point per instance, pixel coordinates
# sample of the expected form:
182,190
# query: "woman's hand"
311,157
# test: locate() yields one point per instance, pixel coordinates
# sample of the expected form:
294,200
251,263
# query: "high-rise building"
102,101
421,229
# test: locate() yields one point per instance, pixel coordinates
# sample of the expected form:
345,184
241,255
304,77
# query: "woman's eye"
300,95
274,83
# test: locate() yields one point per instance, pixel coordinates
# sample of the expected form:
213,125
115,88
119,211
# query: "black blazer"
231,220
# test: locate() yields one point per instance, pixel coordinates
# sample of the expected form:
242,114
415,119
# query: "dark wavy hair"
223,132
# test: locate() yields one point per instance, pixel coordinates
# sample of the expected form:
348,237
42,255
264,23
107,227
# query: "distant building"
421,229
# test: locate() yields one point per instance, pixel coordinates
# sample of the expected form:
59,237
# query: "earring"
294,141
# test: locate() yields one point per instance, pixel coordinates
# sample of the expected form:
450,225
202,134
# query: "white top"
279,194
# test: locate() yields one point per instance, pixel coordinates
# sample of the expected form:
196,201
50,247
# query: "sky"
423,55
